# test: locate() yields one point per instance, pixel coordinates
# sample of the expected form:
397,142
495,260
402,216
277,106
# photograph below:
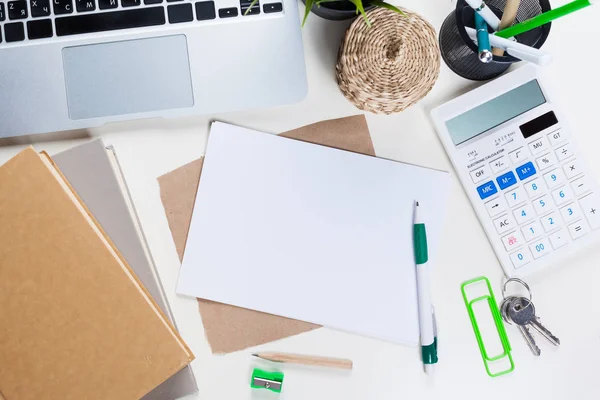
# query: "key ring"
517,280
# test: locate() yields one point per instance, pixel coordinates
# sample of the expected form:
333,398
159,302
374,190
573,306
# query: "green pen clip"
499,324
272,381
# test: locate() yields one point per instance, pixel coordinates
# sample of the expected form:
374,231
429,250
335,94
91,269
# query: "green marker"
543,19
428,339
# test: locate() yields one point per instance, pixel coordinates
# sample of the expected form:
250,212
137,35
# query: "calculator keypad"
539,145
551,221
518,155
539,248
506,180
532,231
480,174
580,186
578,229
590,207
534,187
564,152
524,214
515,197
546,161
555,137
543,204
571,212
572,169
526,170
539,197
504,224
499,164
554,178
521,257
495,207
559,239
562,195
512,241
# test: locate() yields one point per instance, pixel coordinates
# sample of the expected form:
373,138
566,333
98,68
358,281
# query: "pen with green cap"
426,318
544,18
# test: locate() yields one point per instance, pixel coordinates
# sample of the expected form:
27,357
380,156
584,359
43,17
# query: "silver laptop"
69,64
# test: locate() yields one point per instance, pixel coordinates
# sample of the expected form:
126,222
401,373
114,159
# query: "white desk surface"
564,296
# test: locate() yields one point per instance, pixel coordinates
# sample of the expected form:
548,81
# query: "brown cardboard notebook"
76,321
230,328
93,170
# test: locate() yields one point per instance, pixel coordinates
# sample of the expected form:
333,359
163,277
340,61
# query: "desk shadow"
45,137
327,38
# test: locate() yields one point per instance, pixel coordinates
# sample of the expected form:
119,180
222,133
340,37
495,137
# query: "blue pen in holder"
461,54
483,40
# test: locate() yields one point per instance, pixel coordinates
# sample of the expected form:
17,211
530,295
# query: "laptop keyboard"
22,20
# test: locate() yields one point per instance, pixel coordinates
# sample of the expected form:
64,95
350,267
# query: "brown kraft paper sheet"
229,328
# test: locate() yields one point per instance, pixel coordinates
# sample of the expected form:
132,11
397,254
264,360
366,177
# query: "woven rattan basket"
390,66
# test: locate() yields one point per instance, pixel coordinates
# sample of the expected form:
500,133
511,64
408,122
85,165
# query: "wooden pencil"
508,17
305,360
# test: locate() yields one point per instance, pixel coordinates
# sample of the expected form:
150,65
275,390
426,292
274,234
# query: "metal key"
542,330
504,309
520,311
537,325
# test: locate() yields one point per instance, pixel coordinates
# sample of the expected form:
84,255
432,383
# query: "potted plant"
338,10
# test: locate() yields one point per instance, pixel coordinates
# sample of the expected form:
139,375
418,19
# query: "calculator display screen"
495,112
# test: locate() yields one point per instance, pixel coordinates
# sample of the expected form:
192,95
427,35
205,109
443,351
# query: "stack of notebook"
83,312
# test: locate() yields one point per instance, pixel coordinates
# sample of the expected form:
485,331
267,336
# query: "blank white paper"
310,232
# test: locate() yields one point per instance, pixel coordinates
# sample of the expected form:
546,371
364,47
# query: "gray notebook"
94,172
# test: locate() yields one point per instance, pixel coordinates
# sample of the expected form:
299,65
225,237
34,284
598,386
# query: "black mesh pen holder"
460,53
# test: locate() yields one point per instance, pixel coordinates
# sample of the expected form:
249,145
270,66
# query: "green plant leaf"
307,6
251,5
361,9
383,4
319,2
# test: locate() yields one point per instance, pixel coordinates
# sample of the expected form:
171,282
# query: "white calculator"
520,166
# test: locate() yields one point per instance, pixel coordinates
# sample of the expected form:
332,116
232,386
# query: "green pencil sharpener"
272,381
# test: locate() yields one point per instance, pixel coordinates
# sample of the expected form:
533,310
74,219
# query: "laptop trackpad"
127,77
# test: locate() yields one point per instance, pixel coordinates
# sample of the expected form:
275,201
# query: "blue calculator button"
526,170
506,180
487,189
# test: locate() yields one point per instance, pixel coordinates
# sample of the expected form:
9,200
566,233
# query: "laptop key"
228,12
130,3
180,13
205,10
85,5
2,12
39,8
109,21
39,29
14,32
106,4
153,1
17,9
272,8
63,7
